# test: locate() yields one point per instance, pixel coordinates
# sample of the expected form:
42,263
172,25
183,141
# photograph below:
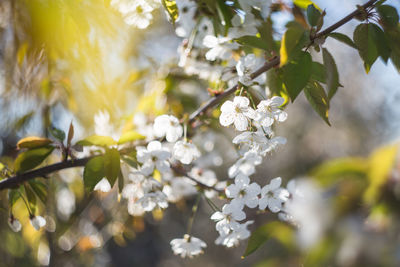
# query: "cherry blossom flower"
231,239
228,217
246,66
243,192
14,224
206,177
251,140
220,48
135,12
188,246
237,112
150,201
178,188
273,196
103,186
269,111
245,165
168,126
185,152
154,156
37,222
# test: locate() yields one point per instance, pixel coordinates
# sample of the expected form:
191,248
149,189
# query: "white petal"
241,122
275,183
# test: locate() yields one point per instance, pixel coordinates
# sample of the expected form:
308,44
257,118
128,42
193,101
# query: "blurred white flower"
269,111
246,66
168,126
220,48
135,12
37,222
179,188
243,25
185,152
245,165
154,156
103,186
273,196
185,21
103,126
237,112
14,224
150,201
65,203
188,246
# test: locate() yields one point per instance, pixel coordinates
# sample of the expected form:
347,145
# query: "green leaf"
40,190
112,165
381,163
129,137
70,134
172,9
343,38
57,133
297,73
130,160
120,182
31,158
13,196
305,4
252,41
363,38
317,98
381,43
97,140
33,142
225,15
274,81
93,172
292,42
266,33
277,230
389,15
31,198
332,74
318,72
313,15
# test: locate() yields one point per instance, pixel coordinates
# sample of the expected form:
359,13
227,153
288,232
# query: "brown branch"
16,180
273,63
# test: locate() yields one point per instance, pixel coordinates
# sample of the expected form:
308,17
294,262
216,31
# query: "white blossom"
178,188
246,66
220,48
185,152
231,239
237,112
243,192
37,222
168,126
150,201
135,12
14,224
245,165
273,196
188,246
153,157
228,217
269,111
103,186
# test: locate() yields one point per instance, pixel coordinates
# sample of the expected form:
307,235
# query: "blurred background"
63,61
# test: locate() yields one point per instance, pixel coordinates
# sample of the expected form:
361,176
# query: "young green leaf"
317,98
292,43
363,38
93,172
130,136
313,15
97,140
40,190
252,41
120,182
70,134
13,196
33,142
277,230
380,41
57,133
296,74
318,72
305,3
31,198
171,9
112,165
31,158
332,74
389,16
266,33
343,38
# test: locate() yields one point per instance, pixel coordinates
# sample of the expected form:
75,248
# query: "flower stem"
194,211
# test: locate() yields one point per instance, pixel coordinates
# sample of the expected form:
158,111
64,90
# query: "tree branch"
16,180
273,63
